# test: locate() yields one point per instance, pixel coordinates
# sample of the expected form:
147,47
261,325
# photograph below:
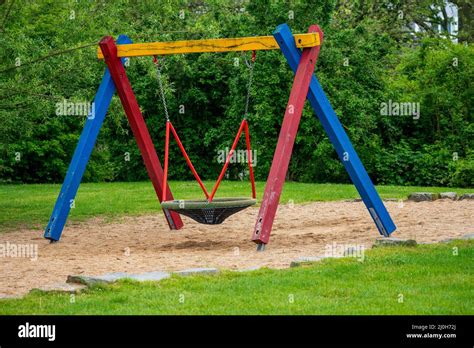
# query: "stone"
466,196
423,196
194,271
93,280
149,276
447,240
73,288
249,269
392,241
448,195
305,261
113,277
468,236
8,297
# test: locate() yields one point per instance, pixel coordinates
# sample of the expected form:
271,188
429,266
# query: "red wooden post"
281,158
138,125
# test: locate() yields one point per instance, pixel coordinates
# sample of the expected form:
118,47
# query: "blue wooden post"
337,136
82,154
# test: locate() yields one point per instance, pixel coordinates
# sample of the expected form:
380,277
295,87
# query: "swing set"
301,51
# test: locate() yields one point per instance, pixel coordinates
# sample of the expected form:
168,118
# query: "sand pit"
141,244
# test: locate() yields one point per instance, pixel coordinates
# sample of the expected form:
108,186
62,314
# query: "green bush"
462,172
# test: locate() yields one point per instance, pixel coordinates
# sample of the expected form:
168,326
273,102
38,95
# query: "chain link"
250,65
162,90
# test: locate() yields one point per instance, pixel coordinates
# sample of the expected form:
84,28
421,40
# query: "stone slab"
448,195
113,277
468,236
249,269
305,261
423,196
466,196
392,241
73,288
196,271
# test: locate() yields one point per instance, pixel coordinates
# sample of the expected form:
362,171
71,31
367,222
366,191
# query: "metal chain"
250,65
249,86
162,90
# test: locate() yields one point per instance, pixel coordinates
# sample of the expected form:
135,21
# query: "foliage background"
386,61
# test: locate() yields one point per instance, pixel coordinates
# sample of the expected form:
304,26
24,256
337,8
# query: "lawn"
427,279
30,206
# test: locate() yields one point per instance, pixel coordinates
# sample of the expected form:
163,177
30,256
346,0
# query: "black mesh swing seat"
209,213
211,210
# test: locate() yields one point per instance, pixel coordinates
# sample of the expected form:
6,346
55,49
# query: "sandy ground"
141,244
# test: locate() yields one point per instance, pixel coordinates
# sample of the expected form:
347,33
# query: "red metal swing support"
169,126
243,128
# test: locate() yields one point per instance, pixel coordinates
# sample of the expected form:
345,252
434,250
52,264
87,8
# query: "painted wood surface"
284,148
82,154
138,125
256,43
338,137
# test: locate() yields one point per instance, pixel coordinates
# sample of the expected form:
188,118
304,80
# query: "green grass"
31,205
431,279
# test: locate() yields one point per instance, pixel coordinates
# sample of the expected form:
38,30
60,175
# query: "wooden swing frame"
301,52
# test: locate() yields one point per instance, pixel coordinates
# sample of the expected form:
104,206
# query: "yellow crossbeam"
211,45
